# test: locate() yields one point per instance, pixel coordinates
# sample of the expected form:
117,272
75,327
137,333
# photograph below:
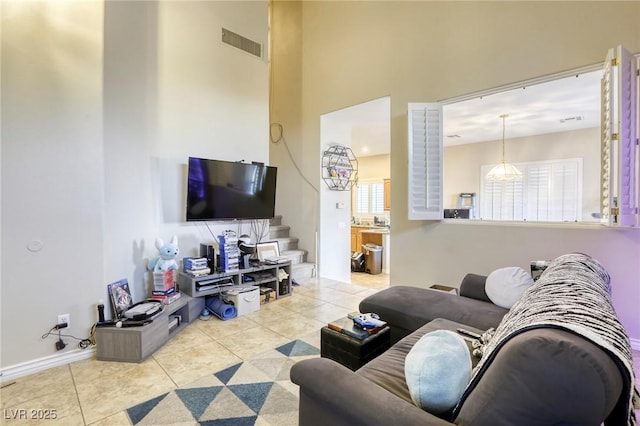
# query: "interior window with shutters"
362,199
550,191
369,198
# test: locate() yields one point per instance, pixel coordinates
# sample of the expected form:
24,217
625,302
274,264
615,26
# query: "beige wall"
374,167
462,163
425,51
298,178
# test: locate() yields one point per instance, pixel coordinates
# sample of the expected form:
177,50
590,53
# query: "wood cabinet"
387,194
371,237
356,238
364,235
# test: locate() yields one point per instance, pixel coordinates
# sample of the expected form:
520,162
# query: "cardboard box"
267,294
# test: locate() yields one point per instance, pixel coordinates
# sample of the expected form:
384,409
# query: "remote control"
369,320
468,333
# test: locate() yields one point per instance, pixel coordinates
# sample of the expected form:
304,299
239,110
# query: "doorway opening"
363,214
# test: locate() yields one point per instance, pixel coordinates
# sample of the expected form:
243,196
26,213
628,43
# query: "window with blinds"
369,198
550,191
362,199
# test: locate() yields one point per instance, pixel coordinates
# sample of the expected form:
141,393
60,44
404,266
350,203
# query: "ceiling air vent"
242,43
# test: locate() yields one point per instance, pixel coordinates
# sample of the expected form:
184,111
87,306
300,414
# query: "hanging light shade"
504,171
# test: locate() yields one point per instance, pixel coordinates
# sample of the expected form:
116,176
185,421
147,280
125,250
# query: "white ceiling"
565,104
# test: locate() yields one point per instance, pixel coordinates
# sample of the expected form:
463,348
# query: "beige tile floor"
94,392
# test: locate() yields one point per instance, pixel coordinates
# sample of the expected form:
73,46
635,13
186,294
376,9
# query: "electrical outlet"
64,318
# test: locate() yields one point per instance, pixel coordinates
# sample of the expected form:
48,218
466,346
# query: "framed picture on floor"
267,250
120,296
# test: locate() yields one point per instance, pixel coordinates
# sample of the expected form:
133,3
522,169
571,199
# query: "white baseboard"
37,365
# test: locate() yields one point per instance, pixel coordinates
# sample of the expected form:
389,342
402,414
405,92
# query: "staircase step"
296,256
303,271
277,220
278,231
289,243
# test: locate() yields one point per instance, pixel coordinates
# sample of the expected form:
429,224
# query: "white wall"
182,93
97,126
52,172
335,249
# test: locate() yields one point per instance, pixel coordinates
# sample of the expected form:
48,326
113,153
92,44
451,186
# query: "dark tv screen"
225,190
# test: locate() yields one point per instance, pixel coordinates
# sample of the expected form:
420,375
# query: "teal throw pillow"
437,370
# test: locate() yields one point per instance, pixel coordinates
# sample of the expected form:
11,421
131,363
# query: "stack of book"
164,287
348,327
229,251
195,266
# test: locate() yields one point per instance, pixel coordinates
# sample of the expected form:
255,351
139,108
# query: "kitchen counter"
369,226
380,230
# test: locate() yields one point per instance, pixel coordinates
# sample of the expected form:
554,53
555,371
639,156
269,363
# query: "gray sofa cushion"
472,286
408,308
387,370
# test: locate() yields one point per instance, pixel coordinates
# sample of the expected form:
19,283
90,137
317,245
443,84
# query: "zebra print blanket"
573,293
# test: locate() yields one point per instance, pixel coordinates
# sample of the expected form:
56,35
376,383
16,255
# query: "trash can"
357,262
372,258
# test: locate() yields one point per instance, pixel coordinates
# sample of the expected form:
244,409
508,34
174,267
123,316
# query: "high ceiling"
565,104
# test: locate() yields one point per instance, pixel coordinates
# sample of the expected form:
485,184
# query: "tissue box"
246,300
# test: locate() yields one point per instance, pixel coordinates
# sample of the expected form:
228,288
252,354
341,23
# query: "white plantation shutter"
362,198
619,175
550,191
627,138
606,145
369,198
377,198
425,161
501,200
538,199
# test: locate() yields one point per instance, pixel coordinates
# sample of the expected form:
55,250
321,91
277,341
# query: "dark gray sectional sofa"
406,309
546,375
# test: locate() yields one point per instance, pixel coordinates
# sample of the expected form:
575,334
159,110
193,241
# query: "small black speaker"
456,213
209,252
100,312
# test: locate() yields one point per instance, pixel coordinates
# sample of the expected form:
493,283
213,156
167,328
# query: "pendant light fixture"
504,171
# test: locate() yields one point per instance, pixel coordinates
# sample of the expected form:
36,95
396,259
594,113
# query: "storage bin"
372,258
246,300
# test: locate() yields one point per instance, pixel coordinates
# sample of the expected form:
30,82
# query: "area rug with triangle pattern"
253,392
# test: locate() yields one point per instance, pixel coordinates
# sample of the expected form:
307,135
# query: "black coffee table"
351,352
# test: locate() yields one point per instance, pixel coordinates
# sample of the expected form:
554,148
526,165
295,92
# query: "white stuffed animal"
168,254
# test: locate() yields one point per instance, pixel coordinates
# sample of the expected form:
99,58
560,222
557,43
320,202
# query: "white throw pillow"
437,370
505,286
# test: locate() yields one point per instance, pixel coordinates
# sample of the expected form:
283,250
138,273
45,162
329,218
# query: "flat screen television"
226,190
